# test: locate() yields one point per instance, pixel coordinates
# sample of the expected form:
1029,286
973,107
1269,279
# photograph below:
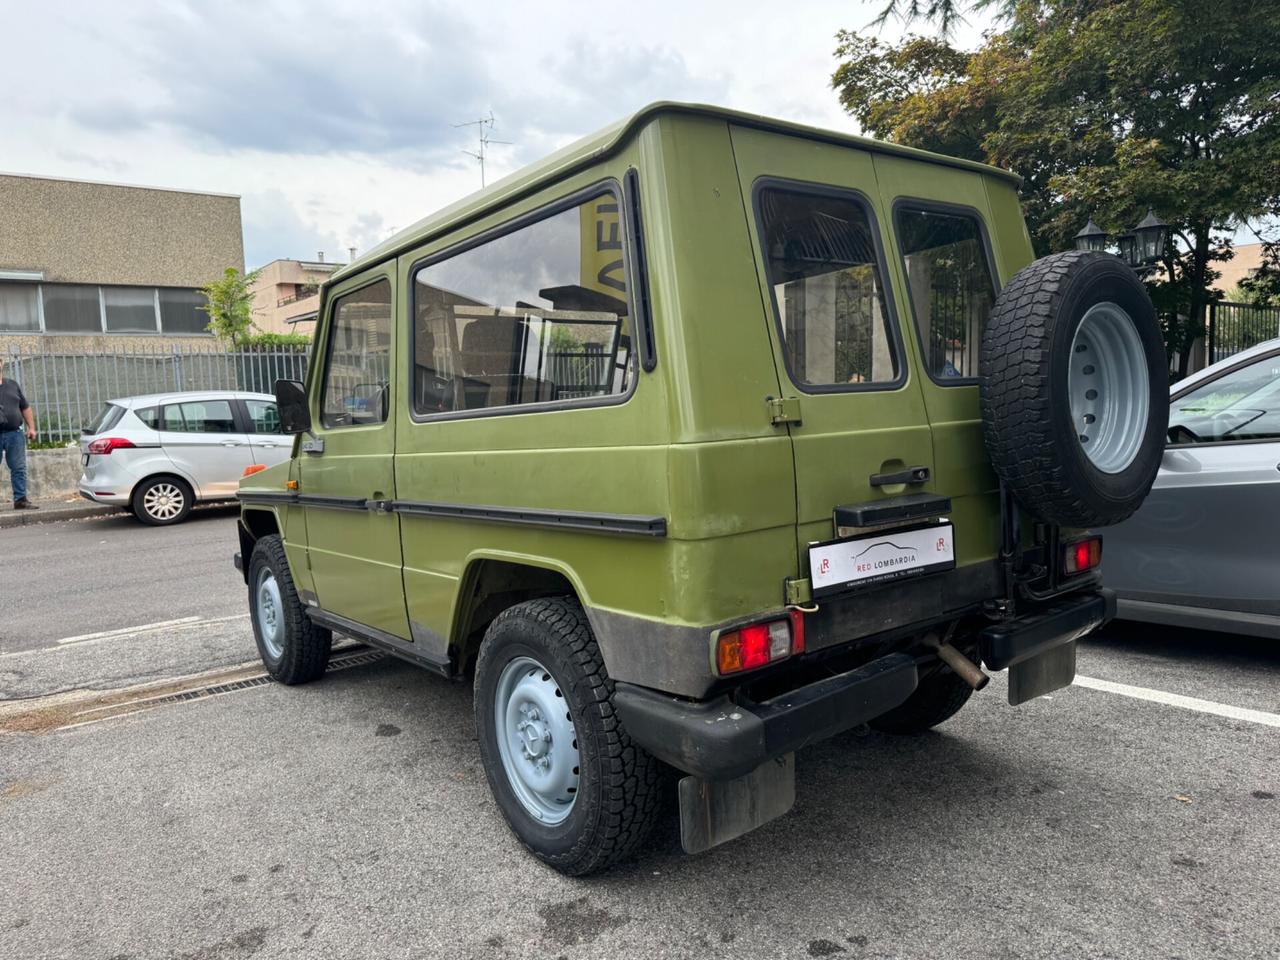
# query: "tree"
230,306
1106,107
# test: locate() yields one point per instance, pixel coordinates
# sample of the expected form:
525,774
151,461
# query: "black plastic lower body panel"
719,739
1061,621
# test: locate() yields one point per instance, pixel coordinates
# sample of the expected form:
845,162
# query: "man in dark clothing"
17,426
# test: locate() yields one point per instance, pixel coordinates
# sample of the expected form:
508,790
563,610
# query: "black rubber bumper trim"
720,740
1005,644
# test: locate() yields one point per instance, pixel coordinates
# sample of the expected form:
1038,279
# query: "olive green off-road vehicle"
706,438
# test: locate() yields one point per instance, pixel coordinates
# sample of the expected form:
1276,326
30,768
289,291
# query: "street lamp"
1151,233
1092,237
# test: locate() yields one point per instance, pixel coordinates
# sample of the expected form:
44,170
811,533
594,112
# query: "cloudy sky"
334,121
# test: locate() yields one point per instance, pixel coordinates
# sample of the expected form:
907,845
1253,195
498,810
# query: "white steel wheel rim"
270,614
163,501
1109,387
536,740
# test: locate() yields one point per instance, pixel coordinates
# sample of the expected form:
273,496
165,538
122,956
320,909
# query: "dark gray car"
1204,549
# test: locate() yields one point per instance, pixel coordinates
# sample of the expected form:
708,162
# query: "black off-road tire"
621,788
137,503
939,697
304,646
1031,438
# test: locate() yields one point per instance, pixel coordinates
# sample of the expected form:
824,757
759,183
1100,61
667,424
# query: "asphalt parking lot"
1135,814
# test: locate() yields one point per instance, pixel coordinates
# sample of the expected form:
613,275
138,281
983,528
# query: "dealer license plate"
881,557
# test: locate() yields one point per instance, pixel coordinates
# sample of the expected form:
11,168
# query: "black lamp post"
1141,249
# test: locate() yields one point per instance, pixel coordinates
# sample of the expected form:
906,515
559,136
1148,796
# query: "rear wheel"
939,697
161,501
292,647
565,774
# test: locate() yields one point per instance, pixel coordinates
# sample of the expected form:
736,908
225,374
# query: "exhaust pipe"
962,665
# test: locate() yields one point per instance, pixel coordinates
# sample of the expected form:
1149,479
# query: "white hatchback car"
157,455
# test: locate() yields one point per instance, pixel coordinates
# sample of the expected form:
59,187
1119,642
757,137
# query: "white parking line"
126,633
1178,700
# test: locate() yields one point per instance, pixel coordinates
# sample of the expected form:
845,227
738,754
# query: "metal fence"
68,389
1238,326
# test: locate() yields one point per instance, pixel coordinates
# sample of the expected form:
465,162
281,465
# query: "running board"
382,641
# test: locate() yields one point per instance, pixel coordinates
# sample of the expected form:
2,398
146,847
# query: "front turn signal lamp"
253,468
1082,555
759,644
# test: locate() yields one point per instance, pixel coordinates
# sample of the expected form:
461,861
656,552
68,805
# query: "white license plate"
84,459
880,557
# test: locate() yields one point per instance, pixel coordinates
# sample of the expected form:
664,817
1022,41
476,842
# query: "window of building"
130,309
19,308
821,260
71,309
539,314
357,373
264,417
952,286
180,311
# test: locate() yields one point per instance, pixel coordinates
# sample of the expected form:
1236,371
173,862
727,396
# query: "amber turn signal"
253,468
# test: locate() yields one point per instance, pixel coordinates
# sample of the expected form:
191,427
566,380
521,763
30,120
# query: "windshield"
1241,405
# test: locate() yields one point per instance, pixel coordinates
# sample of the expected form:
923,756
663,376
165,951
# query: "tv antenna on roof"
486,127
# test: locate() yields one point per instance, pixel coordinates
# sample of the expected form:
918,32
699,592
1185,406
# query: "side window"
150,416
263,416
821,261
205,416
357,375
1241,405
171,418
952,286
536,315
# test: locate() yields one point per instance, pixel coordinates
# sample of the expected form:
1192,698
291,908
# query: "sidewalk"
52,510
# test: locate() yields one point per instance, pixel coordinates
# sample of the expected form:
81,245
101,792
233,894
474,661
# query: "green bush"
278,340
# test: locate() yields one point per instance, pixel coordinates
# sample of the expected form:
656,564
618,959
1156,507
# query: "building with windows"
286,295
85,265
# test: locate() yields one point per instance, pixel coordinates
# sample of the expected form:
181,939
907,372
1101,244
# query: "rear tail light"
1082,555
104,445
759,644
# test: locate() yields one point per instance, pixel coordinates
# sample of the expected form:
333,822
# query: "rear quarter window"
150,417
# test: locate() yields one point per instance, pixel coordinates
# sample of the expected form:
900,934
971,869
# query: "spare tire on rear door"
1075,389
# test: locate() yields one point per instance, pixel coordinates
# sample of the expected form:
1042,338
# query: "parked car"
158,455
1204,550
672,442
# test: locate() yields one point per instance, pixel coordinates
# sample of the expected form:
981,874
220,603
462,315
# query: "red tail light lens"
758,644
1082,555
104,445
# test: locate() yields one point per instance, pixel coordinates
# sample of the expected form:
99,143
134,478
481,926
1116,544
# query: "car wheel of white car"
161,501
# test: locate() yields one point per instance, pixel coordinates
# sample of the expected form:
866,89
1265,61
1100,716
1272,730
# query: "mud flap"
713,812
1043,673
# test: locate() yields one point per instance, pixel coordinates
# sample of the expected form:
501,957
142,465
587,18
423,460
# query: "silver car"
1204,549
157,455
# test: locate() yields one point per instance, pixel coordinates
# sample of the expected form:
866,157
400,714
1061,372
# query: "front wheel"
565,774
293,648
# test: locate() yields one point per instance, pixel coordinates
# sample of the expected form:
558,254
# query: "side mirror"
291,401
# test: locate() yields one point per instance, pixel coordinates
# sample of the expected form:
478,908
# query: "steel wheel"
163,501
1108,386
270,613
536,740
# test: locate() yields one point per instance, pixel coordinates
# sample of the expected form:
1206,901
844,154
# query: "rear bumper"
723,738
114,497
719,739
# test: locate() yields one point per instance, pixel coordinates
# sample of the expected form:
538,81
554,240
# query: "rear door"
853,402
269,444
948,270
202,438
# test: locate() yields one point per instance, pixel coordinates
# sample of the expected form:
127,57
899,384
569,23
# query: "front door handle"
231,443
907,475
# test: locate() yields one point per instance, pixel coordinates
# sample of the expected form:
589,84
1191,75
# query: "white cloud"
334,121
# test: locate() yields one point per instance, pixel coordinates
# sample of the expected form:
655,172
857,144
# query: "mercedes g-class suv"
706,438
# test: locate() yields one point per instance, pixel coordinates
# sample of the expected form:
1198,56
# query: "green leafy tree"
230,306
1106,107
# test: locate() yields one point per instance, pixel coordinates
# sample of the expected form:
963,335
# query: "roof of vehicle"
1257,350
179,396
602,143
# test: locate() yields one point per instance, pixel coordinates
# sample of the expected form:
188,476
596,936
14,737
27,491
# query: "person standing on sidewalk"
17,426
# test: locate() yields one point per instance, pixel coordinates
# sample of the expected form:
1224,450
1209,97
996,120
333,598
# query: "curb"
51,514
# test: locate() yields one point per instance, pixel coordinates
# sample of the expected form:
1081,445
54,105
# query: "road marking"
126,631
1178,700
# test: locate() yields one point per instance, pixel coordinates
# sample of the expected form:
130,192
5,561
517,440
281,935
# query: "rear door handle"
231,443
909,475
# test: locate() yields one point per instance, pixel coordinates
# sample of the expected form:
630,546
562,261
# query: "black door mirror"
291,401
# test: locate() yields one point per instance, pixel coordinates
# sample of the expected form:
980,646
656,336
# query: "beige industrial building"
88,266
286,294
